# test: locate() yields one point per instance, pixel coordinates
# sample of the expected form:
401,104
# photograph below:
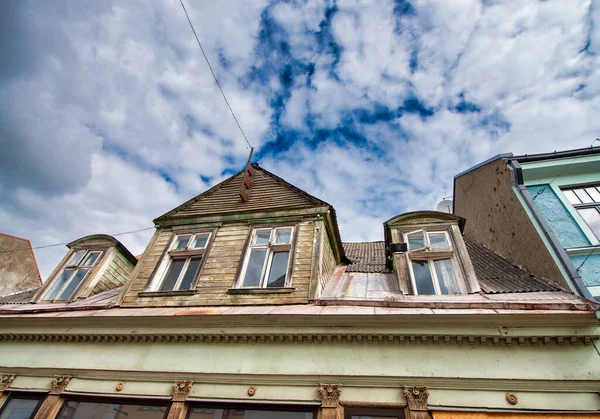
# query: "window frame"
430,255
171,255
23,395
75,267
253,406
156,402
583,205
398,412
272,249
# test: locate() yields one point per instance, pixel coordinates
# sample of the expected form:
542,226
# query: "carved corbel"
416,399
181,390
6,380
330,401
59,383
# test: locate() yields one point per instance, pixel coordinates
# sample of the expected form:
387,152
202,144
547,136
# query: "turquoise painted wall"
590,271
562,223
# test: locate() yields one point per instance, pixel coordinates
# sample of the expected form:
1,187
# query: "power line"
65,243
213,74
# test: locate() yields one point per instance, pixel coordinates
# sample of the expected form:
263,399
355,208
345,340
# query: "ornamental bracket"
330,394
181,390
59,383
6,380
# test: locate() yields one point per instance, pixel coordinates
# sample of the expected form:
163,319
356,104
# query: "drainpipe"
565,261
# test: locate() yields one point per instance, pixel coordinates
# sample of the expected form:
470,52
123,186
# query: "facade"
540,211
255,308
18,268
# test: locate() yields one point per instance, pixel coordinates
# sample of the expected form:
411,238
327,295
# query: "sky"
109,116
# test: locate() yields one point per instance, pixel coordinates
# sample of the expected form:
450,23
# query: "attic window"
267,261
68,280
431,263
184,261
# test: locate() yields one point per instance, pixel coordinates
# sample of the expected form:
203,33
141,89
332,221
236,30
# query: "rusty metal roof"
495,274
366,257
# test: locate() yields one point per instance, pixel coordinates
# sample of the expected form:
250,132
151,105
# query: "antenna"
445,206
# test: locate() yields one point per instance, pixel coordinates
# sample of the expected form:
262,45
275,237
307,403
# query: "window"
431,263
586,201
373,413
185,261
113,408
240,411
267,261
72,275
21,406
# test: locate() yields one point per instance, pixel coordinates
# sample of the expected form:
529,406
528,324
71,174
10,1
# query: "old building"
256,309
539,211
19,272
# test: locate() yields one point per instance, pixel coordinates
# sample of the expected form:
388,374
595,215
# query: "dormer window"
432,263
184,261
72,275
267,261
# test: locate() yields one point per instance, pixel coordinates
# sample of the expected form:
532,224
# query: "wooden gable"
268,192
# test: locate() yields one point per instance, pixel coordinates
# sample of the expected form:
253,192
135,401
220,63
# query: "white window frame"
272,248
188,253
75,267
430,255
583,205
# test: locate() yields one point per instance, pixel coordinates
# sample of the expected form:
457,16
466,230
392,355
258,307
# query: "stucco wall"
496,219
18,269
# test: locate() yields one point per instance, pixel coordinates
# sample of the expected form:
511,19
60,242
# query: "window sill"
283,290
165,293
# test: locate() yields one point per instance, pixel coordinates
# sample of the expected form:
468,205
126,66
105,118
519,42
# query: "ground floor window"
21,405
372,413
113,409
250,412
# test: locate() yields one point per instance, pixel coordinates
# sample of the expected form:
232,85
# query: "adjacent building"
539,211
19,273
255,308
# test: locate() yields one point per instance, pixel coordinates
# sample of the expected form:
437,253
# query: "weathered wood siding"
220,271
328,263
115,275
267,194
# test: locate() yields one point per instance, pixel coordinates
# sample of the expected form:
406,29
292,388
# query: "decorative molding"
512,398
301,338
6,380
181,390
330,395
416,398
59,383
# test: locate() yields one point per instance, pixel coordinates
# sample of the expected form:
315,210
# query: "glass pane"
262,236
373,417
423,277
76,258
438,241
207,413
73,284
91,258
190,274
174,271
181,242
58,283
592,218
19,408
582,194
91,410
283,235
572,197
255,267
278,270
593,192
416,240
446,277
200,241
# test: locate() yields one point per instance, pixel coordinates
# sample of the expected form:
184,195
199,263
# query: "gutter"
557,248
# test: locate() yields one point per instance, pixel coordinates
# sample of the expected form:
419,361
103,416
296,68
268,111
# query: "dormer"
270,244
93,264
426,251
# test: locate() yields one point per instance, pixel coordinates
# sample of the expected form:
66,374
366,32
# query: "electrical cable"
213,73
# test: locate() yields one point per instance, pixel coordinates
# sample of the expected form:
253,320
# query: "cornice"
300,338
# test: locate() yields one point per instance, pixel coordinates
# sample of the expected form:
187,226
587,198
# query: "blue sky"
109,116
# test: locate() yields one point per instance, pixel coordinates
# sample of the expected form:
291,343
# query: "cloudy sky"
109,116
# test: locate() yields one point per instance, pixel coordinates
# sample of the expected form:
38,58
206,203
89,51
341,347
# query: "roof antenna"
247,181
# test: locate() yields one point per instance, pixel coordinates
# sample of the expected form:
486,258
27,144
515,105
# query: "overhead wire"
213,73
